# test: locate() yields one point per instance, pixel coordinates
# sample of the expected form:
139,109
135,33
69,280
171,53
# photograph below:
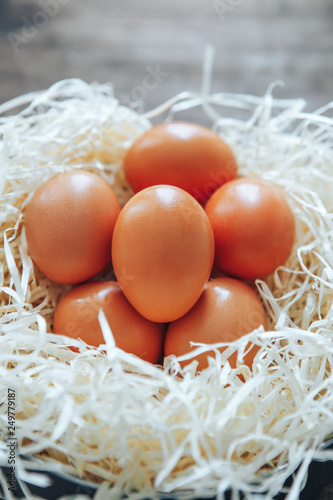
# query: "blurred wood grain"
256,42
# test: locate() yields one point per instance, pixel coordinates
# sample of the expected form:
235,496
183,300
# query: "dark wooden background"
256,42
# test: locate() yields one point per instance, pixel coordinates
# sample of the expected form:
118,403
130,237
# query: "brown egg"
163,251
69,226
227,310
254,228
77,317
181,154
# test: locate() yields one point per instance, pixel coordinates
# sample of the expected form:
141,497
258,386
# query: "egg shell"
254,228
77,317
69,225
163,252
181,154
227,310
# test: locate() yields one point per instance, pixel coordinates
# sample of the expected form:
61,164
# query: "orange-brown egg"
181,154
254,228
227,310
162,251
77,317
69,226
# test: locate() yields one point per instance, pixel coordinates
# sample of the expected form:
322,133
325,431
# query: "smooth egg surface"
181,154
163,252
69,225
254,228
77,317
227,310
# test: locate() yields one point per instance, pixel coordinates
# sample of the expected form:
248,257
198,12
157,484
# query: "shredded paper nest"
110,418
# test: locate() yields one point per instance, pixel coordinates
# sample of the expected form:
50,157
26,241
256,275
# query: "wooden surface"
256,43
123,41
